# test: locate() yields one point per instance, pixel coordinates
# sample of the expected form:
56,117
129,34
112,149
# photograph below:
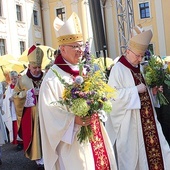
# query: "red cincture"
98,146
12,86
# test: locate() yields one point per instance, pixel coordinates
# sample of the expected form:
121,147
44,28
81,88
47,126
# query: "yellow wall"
166,15
146,23
116,33
153,22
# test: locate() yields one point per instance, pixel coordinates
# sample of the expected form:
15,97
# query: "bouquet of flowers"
88,94
155,75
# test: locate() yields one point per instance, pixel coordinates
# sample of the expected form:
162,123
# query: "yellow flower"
168,68
66,94
87,86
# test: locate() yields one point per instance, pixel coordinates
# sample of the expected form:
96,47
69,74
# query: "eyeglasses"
77,47
136,54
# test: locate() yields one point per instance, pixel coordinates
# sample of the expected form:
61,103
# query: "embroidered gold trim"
36,57
98,145
66,39
150,134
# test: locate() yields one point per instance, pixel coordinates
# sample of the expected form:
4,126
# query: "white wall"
14,31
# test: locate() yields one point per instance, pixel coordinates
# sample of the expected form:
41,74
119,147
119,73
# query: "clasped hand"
141,88
156,89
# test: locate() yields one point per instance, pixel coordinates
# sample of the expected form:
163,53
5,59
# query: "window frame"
2,46
22,46
62,14
144,9
1,10
35,17
19,12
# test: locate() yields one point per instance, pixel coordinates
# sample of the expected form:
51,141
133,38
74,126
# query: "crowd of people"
132,138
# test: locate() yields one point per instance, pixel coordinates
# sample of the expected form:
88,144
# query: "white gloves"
141,88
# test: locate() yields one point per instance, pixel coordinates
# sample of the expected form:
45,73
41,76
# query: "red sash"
15,132
12,86
26,129
98,146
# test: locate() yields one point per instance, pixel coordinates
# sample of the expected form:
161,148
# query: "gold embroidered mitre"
35,55
68,32
140,40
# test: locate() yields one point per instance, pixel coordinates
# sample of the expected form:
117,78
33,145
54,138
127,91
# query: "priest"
132,126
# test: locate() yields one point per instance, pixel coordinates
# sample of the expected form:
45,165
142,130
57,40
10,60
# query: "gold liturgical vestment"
28,119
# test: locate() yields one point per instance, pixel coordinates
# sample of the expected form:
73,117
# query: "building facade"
154,15
27,22
20,26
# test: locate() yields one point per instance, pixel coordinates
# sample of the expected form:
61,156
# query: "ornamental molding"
3,20
59,4
74,1
3,36
143,1
19,2
20,25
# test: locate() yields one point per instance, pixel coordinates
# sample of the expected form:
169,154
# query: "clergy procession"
65,112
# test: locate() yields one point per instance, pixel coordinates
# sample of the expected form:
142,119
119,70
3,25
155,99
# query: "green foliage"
155,75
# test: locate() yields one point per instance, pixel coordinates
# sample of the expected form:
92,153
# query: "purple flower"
74,96
104,98
89,102
87,67
147,55
87,57
74,92
74,89
86,51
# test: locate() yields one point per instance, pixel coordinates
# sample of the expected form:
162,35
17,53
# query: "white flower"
79,80
102,115
165,66
68,80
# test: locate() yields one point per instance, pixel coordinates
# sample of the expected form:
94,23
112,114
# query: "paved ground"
15,160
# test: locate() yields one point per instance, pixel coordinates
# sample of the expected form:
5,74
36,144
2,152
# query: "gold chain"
37,83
